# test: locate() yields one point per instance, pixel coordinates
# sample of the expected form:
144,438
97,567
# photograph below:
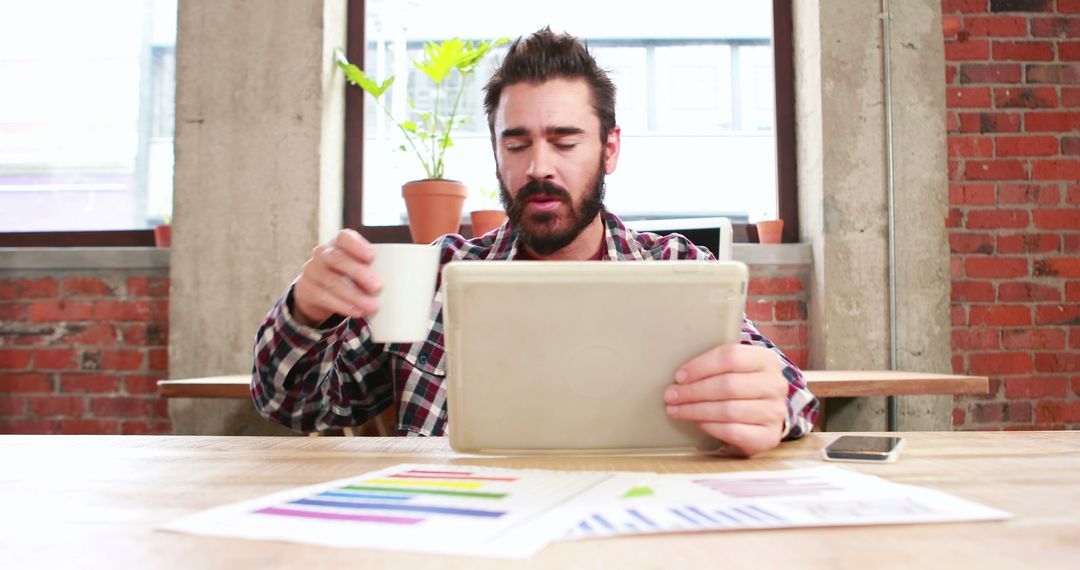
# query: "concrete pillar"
258,183
842,166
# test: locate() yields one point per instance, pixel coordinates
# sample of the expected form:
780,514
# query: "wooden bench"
823,383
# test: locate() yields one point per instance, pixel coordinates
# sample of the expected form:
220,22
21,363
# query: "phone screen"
862,447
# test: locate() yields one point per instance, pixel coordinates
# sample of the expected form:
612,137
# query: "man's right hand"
337,280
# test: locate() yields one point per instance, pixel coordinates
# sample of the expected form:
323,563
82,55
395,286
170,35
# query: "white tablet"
574,357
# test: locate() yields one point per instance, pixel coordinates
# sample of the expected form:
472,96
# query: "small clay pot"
483,221
771,231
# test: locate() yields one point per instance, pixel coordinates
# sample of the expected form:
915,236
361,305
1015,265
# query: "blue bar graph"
648,522
400,507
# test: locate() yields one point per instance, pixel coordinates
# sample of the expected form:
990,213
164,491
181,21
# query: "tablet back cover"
574,357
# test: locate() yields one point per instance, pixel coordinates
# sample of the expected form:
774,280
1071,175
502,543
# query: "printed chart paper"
433,508
482,511
822,496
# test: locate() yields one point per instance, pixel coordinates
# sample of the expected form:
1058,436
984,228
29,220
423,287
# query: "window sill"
83,258
150,257
772,254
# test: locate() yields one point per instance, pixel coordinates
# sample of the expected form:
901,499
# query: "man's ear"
611,149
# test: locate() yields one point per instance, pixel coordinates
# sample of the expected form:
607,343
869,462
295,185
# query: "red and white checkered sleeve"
802,405
313,379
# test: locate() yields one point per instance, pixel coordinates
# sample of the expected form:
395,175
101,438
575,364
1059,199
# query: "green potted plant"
434,203
490,215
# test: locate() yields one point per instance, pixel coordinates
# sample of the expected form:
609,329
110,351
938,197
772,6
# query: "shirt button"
422,359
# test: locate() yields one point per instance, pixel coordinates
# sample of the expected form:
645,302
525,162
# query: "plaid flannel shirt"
313,379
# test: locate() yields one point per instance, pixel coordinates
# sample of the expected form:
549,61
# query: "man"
551,112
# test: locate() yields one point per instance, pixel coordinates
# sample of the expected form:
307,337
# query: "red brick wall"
80,352
776,303
1013,96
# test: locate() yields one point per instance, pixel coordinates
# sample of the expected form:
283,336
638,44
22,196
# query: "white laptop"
574,357
717,233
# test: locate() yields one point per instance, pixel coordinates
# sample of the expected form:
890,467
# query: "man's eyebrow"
562,131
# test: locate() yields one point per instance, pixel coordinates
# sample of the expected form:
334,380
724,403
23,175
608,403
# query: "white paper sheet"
475,511
512,513
821,496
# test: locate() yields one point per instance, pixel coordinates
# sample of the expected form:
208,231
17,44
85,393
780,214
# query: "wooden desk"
823,383
862,383
91,502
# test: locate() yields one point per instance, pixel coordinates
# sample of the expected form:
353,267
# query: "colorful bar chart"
448,509
408,497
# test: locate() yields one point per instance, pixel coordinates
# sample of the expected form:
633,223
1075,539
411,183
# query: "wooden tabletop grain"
92,502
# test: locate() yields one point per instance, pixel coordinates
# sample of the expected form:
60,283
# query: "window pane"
694,99
86,114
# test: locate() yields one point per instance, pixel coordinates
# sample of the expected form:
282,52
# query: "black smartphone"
877,449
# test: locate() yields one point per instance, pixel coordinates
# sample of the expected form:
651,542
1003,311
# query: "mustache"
544,188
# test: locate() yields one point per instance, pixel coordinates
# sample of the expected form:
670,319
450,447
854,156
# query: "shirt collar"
622,242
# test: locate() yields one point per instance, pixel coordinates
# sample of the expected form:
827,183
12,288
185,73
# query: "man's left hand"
736,393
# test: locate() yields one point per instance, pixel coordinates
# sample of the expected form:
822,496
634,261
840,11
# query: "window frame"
352,214
142,237
784,85
101,238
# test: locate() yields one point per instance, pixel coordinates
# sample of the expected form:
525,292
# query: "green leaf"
356,76
409,126
441,58
473,54
402,148
446,142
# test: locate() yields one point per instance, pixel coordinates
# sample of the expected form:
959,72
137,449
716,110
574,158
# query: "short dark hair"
543,56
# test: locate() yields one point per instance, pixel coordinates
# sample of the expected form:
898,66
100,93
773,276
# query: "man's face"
551,163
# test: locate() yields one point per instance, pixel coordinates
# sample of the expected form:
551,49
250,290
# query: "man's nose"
541,165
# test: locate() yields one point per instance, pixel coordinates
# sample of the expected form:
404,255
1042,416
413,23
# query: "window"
695,100
86,114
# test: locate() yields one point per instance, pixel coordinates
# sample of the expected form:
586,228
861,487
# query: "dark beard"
539,232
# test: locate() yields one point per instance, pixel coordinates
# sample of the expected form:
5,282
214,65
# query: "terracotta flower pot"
163,235
770,231
434,208
483,221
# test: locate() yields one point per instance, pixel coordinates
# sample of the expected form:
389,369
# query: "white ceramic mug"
408,273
